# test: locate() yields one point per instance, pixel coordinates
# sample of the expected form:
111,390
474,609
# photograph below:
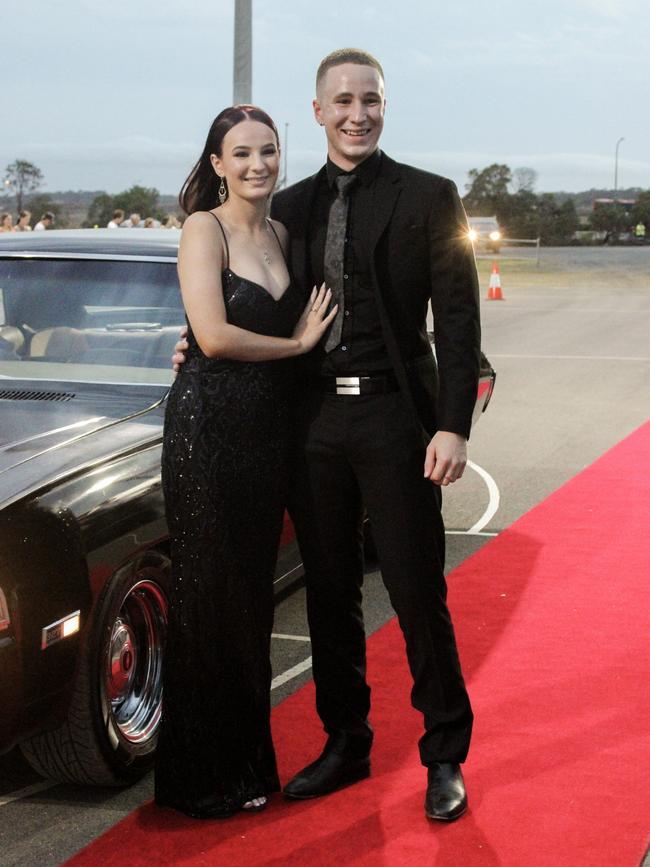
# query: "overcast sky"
102,95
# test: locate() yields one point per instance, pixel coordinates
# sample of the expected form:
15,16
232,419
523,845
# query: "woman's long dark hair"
200,190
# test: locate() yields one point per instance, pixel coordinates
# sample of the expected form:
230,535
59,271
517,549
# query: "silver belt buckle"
347,385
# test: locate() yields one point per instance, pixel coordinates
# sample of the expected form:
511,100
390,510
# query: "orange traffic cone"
494,289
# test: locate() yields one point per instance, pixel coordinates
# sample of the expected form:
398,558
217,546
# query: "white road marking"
493,503
290,673
27,792
475,530
467,533
577,357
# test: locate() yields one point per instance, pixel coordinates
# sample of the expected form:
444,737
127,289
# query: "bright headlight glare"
472,234
63,628
71,625
5,620
495,236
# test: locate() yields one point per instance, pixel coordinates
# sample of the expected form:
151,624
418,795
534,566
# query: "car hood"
49,432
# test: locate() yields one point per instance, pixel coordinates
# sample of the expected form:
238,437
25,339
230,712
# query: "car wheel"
109,735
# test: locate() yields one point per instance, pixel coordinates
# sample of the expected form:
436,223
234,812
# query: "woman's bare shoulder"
201,237
198,220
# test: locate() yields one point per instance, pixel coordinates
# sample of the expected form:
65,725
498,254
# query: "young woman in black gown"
224,472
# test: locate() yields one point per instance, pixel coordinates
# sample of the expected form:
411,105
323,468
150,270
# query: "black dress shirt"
362,349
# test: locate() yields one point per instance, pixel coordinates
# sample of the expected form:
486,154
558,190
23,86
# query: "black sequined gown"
224,480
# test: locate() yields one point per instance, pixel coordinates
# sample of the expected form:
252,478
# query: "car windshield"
483,224
88,320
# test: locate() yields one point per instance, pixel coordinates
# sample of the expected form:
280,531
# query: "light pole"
243,53
622,138
9,187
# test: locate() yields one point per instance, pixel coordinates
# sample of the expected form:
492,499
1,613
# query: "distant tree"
143,200
557,222
609,218
22,177
486,189
41,203
100,211
641,211
567,222
517,214
524,179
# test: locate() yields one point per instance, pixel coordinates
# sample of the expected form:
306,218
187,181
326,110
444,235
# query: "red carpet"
553,626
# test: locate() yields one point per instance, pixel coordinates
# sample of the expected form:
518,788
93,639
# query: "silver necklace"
265,252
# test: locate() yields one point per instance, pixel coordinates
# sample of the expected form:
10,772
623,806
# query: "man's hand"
446,458
178,358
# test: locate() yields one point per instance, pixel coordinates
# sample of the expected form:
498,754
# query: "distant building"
626,204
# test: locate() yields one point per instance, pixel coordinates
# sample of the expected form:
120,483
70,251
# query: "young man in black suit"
380,425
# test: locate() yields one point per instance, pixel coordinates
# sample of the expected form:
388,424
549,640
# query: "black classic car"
88,320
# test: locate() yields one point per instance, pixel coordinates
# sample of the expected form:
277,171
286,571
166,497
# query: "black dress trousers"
364,451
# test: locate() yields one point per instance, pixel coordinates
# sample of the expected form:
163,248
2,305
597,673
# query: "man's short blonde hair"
346,55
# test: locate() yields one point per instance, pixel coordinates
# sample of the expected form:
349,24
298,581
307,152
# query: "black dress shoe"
331,771
446,798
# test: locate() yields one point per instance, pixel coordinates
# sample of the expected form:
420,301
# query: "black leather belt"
376,383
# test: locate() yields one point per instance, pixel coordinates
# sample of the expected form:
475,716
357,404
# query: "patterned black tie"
337,225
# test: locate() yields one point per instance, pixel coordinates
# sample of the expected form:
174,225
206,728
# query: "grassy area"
510,265
570,271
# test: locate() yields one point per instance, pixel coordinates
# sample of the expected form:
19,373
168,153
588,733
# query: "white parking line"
578,357
467,533
27,792
475,530
493,502
290,673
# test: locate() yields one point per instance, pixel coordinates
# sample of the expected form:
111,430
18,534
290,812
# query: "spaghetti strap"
278,240
225,240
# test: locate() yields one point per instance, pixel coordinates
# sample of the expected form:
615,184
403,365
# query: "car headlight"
5,619
472,235
495,236
63,628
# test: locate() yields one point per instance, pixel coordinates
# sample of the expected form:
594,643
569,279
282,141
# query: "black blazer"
419,252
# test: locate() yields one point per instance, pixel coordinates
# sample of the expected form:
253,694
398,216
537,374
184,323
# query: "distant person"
133,222
118,219
46,222
639,232
150,223
6,223
23,224
171,221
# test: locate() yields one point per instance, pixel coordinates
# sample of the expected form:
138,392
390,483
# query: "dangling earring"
223,192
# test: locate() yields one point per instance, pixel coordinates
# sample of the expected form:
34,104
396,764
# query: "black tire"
111,729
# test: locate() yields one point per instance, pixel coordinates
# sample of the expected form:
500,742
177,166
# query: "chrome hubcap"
121,652
132,682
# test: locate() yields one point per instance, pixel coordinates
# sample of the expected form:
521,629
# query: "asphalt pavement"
571,348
